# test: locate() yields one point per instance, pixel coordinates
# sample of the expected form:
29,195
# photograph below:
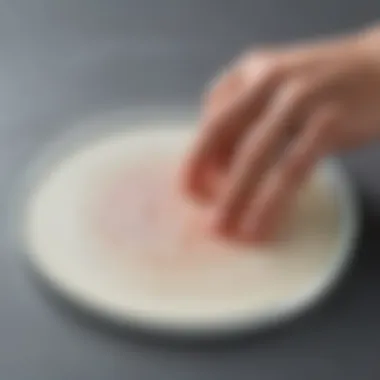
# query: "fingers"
225,87
223,129
257,154
248,116
274,198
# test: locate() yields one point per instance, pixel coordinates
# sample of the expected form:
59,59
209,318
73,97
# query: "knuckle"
264,64
297,89
257,56
224,72
294,94
216,83
270,69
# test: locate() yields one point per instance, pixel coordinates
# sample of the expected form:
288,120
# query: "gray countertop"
62,59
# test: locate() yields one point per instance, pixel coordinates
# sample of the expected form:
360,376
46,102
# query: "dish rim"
94,128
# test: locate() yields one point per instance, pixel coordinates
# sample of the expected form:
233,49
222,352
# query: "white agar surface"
107,227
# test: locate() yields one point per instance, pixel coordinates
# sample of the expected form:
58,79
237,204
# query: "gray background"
62,59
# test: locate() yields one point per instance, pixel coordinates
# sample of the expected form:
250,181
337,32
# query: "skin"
270,117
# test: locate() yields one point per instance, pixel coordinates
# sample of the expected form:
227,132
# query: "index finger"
224,127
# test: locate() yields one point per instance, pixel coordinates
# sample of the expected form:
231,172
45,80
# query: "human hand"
271,117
